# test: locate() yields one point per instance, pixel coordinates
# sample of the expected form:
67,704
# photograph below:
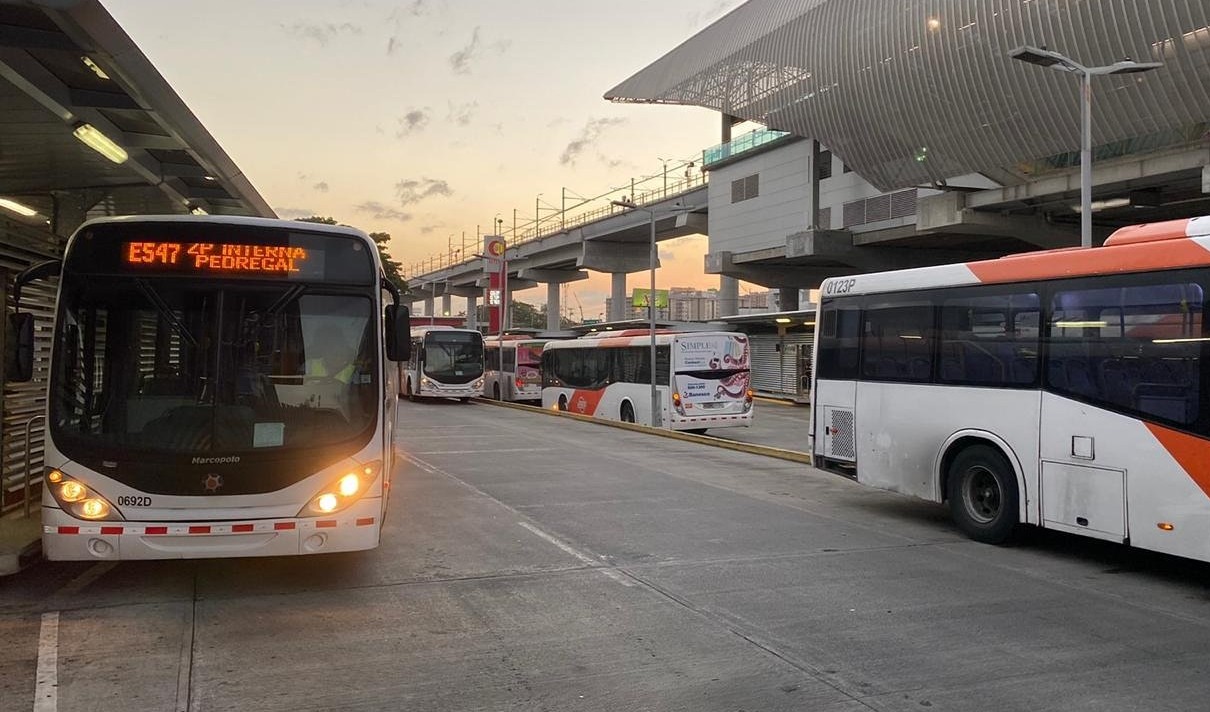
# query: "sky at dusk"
427,118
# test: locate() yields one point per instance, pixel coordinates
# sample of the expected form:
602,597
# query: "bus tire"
411,393
563,403
495,391
983,494
697,431
627,413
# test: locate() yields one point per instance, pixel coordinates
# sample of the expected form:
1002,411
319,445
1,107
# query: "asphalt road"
532,562
775,423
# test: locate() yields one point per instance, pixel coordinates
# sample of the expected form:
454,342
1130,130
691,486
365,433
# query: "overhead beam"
102,99
19,37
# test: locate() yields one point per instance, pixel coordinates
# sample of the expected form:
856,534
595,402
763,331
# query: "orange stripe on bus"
1081,262
1149,232
1191,453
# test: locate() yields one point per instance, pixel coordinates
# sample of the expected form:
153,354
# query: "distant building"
689,304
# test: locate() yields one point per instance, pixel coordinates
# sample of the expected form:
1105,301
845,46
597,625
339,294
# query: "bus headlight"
342,492
78,499
478,383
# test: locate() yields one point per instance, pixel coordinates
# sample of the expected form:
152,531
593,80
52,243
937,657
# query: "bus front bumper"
65,538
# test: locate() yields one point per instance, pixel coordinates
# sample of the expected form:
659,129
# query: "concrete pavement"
536,563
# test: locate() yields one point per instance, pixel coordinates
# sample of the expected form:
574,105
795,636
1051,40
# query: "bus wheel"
627,412
983,494
495,391
563,403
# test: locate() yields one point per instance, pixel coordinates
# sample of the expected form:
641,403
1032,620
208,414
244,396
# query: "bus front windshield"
453,356
150,365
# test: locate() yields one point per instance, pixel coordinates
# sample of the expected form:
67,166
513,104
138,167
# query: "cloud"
425,230
294,213
712,12
460,61
413,191
588,137
321,186
321,32
462,114
412,122
381,211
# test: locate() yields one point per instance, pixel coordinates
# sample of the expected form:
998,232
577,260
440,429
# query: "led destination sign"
217,257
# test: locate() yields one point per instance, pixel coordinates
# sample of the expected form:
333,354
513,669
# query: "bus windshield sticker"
268,434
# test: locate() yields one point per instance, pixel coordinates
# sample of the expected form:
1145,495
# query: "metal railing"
641,192
29,460
747,142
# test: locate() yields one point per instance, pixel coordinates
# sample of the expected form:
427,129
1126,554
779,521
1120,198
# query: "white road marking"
584,558
93,573
46,690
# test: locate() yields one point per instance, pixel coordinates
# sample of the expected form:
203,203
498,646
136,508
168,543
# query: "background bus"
514,368
218,388
702,378
1066,389
445,363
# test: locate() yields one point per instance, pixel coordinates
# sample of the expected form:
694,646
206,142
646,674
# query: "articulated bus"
1067,389
445,363
514,368
702,378
218,387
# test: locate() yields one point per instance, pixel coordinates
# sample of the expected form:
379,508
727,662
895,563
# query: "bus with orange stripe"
200,406
1066,389
703,379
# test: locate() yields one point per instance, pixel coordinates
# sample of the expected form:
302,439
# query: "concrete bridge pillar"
617,294
472,312
552,306
428,306
787,299
728,295
446,305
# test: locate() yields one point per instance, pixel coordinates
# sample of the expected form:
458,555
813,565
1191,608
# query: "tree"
389,265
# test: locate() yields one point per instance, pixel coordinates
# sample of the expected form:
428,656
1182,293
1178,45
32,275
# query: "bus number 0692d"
132,501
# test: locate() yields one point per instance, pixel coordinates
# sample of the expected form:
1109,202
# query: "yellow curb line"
748,448
782,401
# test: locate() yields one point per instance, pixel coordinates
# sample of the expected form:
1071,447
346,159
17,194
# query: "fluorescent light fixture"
1081,324
100,143
783,320
910,336
1098,205
13,206
195,210
808,323
93,66
1179,341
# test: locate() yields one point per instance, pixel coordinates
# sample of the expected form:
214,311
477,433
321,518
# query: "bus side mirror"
398,332
19,359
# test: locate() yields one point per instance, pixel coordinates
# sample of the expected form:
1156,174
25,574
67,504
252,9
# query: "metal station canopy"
67,64
912,92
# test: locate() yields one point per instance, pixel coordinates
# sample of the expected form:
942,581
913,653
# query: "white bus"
445,363
514,368
218,387
702,378
1066,389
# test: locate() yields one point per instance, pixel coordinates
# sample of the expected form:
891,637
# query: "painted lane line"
46,690
584,558
581,556
93,573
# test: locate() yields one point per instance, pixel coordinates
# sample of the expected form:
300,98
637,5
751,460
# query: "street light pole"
1053,60
656,410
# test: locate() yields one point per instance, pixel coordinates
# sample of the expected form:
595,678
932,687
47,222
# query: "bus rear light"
1166,526
520,383
749,395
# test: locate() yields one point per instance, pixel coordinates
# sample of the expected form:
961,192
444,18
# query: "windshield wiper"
287,298
164,310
